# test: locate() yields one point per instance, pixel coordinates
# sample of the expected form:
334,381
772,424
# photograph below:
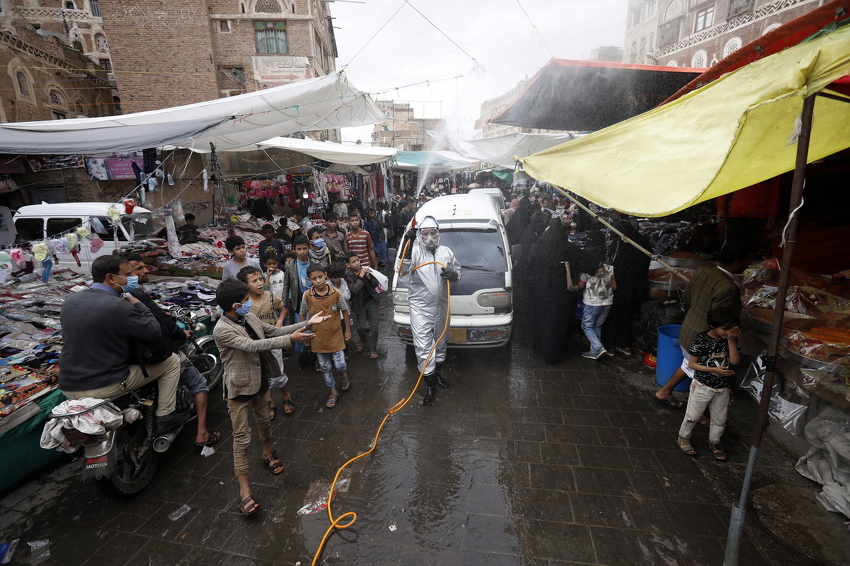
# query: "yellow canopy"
734,132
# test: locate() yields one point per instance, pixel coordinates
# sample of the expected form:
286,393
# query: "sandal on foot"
318,368
705,421
331,402
212,439
685,445
272,413
668,401
374,356
249,506
361,348
344,383
274,464
288,406
718,453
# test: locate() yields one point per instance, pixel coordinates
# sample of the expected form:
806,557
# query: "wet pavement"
518,463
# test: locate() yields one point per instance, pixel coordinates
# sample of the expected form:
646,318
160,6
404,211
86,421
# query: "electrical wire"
373,37
336,523
534,27
474,60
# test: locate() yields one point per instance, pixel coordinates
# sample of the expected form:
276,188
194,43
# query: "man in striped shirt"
360,242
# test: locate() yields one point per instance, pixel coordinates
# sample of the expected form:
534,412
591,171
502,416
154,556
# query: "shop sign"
115,167
12,165
53,162
275,71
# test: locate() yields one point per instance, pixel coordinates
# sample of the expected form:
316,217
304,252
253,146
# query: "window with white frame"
23,84
95,8
704,19
651,8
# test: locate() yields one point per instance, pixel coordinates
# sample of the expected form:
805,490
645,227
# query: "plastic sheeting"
828,460
334,152
230,123
501,150
734,132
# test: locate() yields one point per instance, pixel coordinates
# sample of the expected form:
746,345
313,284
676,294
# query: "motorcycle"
122,460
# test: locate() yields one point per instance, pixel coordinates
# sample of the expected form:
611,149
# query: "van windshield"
476,249
142,224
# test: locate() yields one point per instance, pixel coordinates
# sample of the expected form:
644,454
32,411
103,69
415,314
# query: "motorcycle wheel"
134,463
212,370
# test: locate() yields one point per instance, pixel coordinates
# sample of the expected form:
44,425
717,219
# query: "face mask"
245,308
431,242
132,283
319,243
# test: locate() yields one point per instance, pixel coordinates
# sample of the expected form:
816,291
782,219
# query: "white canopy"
230,123
500,150
347,154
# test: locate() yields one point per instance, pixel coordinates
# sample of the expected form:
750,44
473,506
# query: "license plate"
457,335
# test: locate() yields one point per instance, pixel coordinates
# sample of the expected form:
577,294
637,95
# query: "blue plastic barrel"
669,356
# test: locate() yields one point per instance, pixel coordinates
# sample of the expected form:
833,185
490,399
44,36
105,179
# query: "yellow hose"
335,523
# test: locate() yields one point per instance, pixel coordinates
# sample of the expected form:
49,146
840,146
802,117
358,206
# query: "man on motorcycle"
170,333
101,329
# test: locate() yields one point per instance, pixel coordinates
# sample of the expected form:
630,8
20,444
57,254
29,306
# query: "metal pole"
736,523
218,187
623,236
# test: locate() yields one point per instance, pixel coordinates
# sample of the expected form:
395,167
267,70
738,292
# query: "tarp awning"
432,160
501,150
591,95
230,123
734,132
333,152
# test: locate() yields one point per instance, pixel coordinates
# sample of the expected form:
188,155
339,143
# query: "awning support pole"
216,170
736,523
622,236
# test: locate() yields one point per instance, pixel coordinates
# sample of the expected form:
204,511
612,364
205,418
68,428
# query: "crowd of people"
315,289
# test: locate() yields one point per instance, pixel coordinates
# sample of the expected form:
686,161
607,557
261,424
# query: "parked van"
482,301
495,192
38,222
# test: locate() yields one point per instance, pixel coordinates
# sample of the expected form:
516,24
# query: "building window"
636,16
642,52
651,8
70,6
268,7
674,10
106,64
270,37
23,84
704,19
55,98
224,25
116,102
100,43
732,46
698,61
232,79
738,7
79,107
668,32
95,8
58,115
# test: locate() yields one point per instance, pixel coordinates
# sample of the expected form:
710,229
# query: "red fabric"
757,201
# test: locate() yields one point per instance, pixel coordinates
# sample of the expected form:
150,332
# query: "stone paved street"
518,463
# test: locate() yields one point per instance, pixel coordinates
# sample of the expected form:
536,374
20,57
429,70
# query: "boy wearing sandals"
329,338
710,357
269,308
244,343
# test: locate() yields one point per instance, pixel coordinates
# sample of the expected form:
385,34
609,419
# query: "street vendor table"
20,453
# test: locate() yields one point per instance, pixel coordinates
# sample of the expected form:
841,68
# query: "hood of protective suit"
429,242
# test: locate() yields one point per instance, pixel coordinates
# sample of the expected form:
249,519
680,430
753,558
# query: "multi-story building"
698,33
173,53
402,130
51,57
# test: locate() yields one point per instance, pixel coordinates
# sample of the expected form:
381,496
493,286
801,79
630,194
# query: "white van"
38,222
482,301
495,192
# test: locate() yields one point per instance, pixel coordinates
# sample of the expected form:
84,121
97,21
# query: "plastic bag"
788,408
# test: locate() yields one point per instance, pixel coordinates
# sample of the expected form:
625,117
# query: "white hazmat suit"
428,299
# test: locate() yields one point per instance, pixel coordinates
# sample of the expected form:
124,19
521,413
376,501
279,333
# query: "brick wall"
161,52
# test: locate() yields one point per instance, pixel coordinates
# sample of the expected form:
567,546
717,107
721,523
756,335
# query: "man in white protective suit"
428,299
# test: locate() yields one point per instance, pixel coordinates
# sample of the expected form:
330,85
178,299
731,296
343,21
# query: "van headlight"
400,297
495,300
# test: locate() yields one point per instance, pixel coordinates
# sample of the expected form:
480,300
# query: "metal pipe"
622,236
799,182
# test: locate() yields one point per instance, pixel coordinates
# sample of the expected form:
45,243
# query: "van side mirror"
516,250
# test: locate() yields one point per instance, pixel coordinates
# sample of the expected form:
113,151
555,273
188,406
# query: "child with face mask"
319,251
